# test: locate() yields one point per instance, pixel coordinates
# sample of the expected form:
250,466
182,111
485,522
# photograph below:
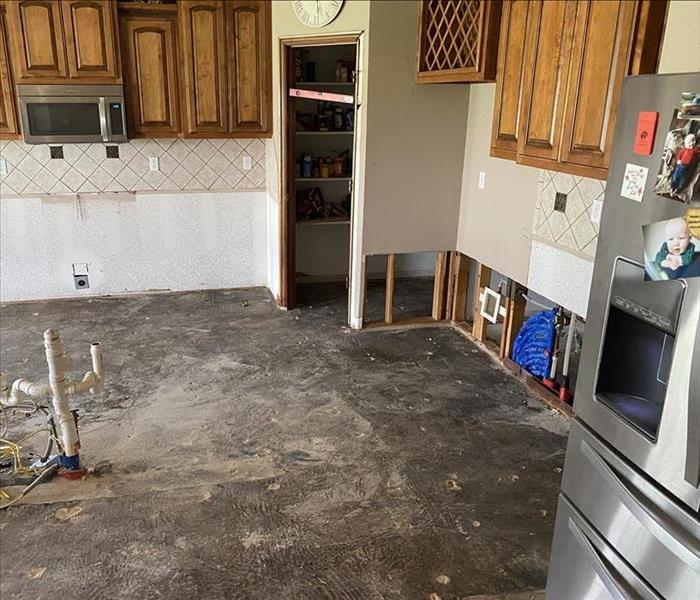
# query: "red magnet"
646,129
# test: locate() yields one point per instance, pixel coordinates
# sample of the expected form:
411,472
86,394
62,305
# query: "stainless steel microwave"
64,114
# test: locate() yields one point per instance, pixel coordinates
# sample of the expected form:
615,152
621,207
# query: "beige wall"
680,52
494,222
414,142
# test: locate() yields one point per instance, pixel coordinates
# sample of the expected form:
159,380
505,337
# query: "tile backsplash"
191,164
572,229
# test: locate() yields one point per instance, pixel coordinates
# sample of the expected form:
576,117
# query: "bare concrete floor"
247,452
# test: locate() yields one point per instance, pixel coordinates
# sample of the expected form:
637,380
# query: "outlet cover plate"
247,162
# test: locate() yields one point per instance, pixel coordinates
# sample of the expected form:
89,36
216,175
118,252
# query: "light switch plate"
153,163
247,162
3,167
482,180
596,211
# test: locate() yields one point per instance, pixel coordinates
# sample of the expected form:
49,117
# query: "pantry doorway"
318,135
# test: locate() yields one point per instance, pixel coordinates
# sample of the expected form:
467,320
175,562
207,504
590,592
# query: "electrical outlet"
81,282
153,163
247,162
482,180
596,211
3,167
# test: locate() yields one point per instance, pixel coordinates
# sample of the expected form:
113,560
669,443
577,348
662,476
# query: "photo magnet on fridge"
672,247
680,164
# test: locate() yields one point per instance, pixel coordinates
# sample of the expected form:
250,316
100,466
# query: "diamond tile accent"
573,229
191,164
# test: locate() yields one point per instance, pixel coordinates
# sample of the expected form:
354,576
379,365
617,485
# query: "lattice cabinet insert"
458,40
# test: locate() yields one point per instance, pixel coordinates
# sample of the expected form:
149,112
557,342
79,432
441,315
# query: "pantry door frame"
287,297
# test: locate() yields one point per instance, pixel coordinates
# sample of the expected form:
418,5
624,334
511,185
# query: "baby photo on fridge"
672,247
680,165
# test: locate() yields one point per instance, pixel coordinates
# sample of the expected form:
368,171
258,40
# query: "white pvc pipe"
96,354
4,390
569,341
56,359
23,389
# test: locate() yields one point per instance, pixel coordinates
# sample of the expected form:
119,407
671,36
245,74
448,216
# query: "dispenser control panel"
641,312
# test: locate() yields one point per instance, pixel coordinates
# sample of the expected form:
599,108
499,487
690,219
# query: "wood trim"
146,9
461,276
9,123
287,296
570,168
483,278
648,35
515,314
389,290
439,286
407,323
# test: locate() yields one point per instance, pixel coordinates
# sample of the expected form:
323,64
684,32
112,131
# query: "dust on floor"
247,452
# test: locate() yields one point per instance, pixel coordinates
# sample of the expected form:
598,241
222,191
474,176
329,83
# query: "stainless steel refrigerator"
627,523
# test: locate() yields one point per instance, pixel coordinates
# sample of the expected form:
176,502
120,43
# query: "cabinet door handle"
663,532
692,448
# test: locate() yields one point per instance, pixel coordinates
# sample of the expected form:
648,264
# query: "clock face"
317,13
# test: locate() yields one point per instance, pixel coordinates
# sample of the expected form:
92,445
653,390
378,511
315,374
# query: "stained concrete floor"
247,452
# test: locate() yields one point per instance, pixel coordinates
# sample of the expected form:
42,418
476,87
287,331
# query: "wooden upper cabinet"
9,127
38,45
89,26
458,40
511,57
556,100
202,24
603,29
546,69
149,49
249,66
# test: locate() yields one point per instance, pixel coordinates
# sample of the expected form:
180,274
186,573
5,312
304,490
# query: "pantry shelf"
324,133
328,221
316,179
323,83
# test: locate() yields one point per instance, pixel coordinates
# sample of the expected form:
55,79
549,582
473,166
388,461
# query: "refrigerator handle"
692,447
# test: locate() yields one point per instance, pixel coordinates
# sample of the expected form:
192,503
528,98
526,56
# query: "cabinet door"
204,61
90,39
39,52
249,66
511,56
150,75
8,108
599,61
548,51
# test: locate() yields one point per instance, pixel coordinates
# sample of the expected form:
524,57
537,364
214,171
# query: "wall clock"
317,13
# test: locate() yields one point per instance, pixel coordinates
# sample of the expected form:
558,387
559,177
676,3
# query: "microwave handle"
692,448
104,128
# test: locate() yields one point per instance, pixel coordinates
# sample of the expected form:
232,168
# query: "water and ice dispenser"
637,347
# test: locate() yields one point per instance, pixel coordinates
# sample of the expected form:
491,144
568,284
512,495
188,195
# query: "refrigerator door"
583,566
653,534
667,449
